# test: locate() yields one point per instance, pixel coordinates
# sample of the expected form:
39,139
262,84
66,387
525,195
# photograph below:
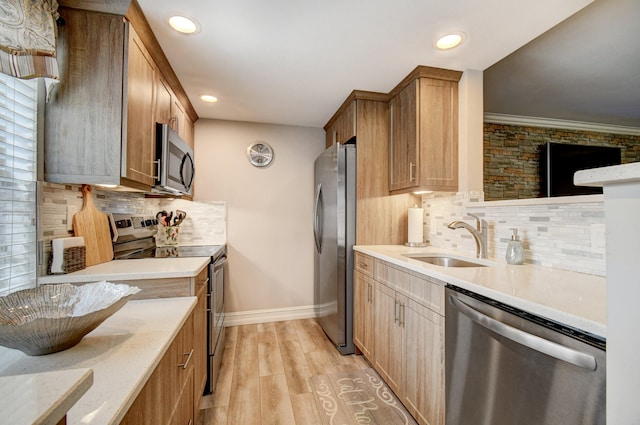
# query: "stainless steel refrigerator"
334,220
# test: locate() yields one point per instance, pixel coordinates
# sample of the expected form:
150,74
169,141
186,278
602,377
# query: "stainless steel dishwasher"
506,367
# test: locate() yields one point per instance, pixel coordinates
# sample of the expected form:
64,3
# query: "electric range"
134,237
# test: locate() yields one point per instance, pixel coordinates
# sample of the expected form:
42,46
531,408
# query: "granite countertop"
122,352
41,398
574,299
143,268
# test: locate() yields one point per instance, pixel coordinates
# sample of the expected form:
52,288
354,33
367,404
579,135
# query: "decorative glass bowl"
52,318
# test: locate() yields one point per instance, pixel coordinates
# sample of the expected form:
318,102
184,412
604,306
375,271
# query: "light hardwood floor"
265,371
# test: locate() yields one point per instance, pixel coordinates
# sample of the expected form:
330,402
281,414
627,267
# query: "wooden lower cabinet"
424,359
389,342
167,397
408,345
183,413
363,314
200,344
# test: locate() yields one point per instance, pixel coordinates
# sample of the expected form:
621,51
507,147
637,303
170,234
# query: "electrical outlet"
71,210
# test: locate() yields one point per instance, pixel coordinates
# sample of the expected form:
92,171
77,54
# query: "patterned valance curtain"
28,35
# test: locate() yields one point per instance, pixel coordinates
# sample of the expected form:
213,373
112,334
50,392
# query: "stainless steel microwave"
175,162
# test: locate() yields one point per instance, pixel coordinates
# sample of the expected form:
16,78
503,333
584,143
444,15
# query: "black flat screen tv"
560,161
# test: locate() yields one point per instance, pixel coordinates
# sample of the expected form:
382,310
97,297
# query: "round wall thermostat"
260,154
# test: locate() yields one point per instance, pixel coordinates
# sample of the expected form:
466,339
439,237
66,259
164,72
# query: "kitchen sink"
445,261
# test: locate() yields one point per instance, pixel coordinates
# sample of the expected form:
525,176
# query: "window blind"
18,168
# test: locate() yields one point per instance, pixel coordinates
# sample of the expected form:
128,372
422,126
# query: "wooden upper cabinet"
177,115
116,83
83,118
163,101
403,146
139,145
423,141
99,123
188,132
381,219
170,111
181,122
342,126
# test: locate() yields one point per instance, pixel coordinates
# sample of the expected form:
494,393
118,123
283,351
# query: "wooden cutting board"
93,225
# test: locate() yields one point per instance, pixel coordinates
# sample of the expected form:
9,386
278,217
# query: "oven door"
215,322
216,300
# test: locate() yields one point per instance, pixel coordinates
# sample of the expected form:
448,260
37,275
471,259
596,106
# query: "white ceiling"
294,61
585,69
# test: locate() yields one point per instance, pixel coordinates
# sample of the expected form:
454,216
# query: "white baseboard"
250,317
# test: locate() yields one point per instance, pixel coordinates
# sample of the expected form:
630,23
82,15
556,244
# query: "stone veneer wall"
512,156
205,223
560,235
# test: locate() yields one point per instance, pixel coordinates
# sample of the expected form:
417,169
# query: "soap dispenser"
515,250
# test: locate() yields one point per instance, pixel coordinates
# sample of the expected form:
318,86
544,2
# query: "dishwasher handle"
533,342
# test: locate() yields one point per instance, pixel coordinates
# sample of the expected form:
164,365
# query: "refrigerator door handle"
317,218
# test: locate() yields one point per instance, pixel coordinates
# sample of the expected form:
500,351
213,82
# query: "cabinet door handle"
363,265
156,177
402,307
395,312
411,167
174,119
186,363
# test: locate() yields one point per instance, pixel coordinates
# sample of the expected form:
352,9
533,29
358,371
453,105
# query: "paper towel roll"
415,231
57,251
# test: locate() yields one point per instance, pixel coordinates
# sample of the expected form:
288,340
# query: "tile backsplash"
205,223
569,236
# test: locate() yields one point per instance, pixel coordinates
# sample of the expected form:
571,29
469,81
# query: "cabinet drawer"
424,290
364,263
428,292
202,280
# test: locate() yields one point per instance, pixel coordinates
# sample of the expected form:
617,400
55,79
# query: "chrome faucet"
479,233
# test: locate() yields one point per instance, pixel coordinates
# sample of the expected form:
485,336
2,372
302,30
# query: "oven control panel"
132,226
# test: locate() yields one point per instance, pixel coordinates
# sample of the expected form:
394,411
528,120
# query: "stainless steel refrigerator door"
334,234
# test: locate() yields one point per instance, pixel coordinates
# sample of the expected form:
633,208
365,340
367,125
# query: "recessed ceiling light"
184,25
208,98
449,41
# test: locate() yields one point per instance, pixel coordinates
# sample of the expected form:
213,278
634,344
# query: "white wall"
470,131
269,210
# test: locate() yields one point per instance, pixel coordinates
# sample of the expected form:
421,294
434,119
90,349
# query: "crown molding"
563,124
